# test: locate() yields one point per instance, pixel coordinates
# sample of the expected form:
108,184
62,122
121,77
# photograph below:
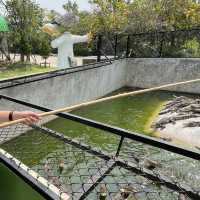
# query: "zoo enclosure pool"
88,169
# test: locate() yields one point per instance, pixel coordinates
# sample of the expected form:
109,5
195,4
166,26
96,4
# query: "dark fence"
166,44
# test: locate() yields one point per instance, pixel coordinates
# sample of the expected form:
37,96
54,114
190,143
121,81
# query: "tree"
109,15
43,46
161,15
25,18
71,7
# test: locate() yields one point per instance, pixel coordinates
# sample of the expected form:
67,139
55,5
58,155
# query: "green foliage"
71,7
109,16
84,24
82,50
148,15
25,18
162,15
44,47
192,48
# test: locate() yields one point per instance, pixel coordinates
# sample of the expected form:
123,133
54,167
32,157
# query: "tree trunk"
28,58
22,56
7,55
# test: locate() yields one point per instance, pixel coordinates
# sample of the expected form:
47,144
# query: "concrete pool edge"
97,80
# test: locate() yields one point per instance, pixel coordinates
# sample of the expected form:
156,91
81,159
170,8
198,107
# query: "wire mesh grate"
179,168
83,172
135,185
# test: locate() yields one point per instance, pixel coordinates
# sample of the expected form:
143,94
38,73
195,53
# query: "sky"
57,4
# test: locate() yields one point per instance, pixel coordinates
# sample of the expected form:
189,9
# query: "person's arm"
30,117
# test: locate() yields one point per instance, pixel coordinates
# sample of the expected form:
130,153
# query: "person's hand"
30,117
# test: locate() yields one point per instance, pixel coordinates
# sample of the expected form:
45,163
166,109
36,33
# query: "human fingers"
28,114
34,115
30,120
33,119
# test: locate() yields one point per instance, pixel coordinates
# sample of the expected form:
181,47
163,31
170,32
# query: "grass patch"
20,70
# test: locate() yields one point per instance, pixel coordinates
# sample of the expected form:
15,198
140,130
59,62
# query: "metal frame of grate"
112,161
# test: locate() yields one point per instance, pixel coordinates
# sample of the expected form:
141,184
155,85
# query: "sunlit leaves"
109,15
164,14
25,18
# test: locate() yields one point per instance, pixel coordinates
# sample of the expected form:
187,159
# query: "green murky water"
130,113
13,188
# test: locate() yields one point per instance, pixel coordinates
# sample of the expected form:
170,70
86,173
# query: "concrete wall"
72,88
150,72
81,86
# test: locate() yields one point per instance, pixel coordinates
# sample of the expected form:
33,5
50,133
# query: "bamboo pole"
71,108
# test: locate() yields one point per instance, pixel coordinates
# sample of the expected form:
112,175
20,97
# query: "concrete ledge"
150,72
72,88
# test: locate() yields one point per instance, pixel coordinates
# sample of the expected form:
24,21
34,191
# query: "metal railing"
153,44
10,82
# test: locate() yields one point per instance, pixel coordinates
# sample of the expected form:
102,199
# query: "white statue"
64,42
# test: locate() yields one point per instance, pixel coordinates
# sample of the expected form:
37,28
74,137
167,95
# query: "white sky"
57,4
